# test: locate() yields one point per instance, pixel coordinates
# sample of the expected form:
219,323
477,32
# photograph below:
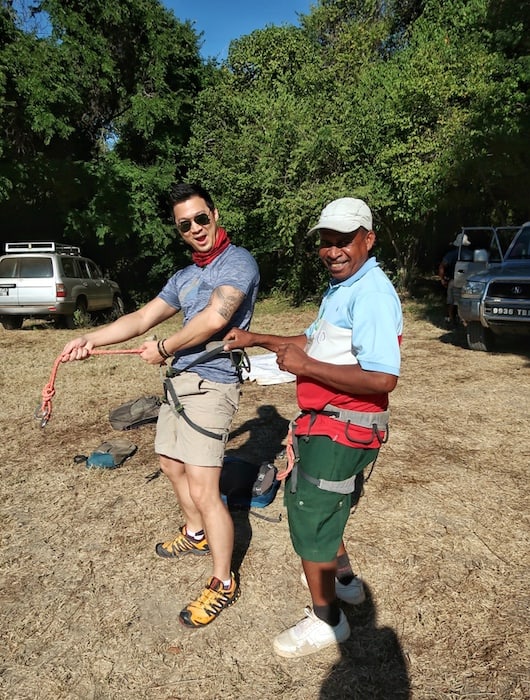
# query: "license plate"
4,292
506,311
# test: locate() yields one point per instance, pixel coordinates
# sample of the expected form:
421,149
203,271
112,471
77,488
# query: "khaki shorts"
317,518
210,405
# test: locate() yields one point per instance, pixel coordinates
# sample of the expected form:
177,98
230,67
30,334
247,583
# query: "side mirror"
480,255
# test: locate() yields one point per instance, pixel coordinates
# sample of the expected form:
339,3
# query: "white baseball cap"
344,216
461,239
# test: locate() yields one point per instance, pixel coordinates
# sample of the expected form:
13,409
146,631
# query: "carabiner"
43,415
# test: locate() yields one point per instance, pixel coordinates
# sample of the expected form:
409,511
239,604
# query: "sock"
227,584
344,571
328,613
199,535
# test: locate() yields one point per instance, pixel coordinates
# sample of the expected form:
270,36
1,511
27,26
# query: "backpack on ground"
135,413
246,485
109,455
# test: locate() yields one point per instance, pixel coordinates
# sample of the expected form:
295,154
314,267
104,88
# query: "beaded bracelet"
162,350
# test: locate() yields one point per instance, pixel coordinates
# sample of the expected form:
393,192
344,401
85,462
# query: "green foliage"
82,319
421,107
95,116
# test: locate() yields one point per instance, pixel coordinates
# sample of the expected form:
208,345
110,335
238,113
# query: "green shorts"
317,518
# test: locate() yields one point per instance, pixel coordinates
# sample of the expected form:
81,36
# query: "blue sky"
221,21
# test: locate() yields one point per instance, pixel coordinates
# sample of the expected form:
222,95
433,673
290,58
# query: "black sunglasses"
185,225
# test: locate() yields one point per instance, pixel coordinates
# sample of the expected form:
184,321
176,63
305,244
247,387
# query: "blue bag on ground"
111,454
246,485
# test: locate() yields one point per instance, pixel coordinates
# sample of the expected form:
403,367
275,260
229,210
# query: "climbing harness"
44,411
377,421
212,350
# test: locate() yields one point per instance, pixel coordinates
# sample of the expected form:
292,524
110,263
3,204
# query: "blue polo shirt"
359,322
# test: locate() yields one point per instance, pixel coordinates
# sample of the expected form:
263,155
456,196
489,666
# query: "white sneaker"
310,635
352,593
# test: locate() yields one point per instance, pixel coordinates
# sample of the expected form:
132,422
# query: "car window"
83,269
70,267
93,270
481,239
520,249
8,267
505,235
34,267
494,254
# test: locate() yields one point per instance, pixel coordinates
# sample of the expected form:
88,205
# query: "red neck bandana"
221,243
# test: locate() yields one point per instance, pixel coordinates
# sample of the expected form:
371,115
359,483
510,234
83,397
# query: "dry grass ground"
440,537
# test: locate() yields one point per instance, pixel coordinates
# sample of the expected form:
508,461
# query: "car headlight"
473,289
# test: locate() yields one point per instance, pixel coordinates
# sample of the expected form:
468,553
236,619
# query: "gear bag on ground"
135,413
246,485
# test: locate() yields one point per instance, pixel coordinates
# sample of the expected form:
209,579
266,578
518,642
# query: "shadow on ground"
372,663
266,433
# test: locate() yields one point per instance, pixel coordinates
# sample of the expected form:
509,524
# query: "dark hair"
184,191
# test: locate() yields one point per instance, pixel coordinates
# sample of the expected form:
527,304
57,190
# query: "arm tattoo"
226,300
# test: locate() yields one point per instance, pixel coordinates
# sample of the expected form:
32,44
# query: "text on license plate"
504,311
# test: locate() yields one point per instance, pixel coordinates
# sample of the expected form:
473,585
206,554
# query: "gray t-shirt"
189,291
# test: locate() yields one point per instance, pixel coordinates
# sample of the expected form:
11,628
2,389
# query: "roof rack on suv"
42,247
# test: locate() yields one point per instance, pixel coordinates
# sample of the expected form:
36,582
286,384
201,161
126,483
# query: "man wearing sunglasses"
217,291
346,363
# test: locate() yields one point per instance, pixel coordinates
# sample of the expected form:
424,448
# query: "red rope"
45,411
291,457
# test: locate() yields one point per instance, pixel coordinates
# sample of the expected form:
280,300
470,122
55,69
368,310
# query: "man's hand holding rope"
77,349
81,348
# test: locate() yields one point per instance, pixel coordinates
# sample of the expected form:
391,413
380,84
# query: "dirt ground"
440,537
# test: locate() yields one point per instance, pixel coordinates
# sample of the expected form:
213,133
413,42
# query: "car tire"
12,323
118,307
479,338
71,321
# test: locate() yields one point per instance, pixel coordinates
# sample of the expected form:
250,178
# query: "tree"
277,145
419,107
96,116
245,148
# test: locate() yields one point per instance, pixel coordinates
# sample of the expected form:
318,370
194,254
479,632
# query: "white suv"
40,279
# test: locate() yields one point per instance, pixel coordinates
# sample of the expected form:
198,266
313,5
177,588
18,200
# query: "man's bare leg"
197,491
203,485
175,471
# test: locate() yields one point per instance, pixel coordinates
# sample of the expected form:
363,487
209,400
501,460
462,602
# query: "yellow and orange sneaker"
181,545
211,602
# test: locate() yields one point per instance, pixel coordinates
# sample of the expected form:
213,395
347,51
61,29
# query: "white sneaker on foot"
352,593
310,635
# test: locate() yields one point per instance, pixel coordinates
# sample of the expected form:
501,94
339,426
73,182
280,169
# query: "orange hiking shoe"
181,545
211,602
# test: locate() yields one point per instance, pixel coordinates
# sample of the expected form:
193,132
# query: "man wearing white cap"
346,363
446,273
